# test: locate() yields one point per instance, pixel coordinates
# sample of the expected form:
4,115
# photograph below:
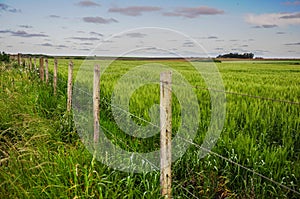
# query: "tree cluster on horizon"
237,55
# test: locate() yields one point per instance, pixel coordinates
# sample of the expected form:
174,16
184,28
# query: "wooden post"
70,77
42,68
96,98
46,70
34,63
19,59
30,63
55,76
165,133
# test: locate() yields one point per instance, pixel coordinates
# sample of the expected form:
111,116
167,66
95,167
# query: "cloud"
293,44
87,44
193,12
6,8
84,49
188,44
54,16
291,3
269,26
97,34
21,33
134,10
272,20
85,38
99,20
292,16
136,35
212,37
25,26
5,31
46,44
87,3
266,26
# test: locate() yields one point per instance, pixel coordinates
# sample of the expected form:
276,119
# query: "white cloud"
193,12
274,19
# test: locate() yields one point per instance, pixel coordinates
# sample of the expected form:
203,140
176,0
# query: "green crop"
41,155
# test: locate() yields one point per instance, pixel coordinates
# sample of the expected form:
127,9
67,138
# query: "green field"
42,156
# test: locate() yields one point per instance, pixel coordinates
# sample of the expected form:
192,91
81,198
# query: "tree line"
236,55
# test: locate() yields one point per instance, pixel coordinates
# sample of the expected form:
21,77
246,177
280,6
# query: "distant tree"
236,55
4,57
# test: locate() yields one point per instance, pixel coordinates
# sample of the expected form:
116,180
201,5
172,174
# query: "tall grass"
43,157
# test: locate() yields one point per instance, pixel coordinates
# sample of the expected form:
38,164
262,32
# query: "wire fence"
191,142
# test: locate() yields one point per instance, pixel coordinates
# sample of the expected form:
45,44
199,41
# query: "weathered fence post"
55,76
19,59
34,63
30,63
23,62
42,68
46,70
96,98
165,133
70,77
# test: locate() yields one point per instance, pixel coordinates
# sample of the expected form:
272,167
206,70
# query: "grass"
43,157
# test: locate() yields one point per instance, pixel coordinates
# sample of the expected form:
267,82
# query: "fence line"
41,69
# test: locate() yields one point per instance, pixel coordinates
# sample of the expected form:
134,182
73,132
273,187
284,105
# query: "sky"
204,28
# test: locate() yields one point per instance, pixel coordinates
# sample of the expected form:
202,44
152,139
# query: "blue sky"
266,28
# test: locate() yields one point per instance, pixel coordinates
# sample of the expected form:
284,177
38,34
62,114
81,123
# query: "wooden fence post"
34,63
165,133
70,77
46,70
55,76
96,98
30,63
19,59
42,68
